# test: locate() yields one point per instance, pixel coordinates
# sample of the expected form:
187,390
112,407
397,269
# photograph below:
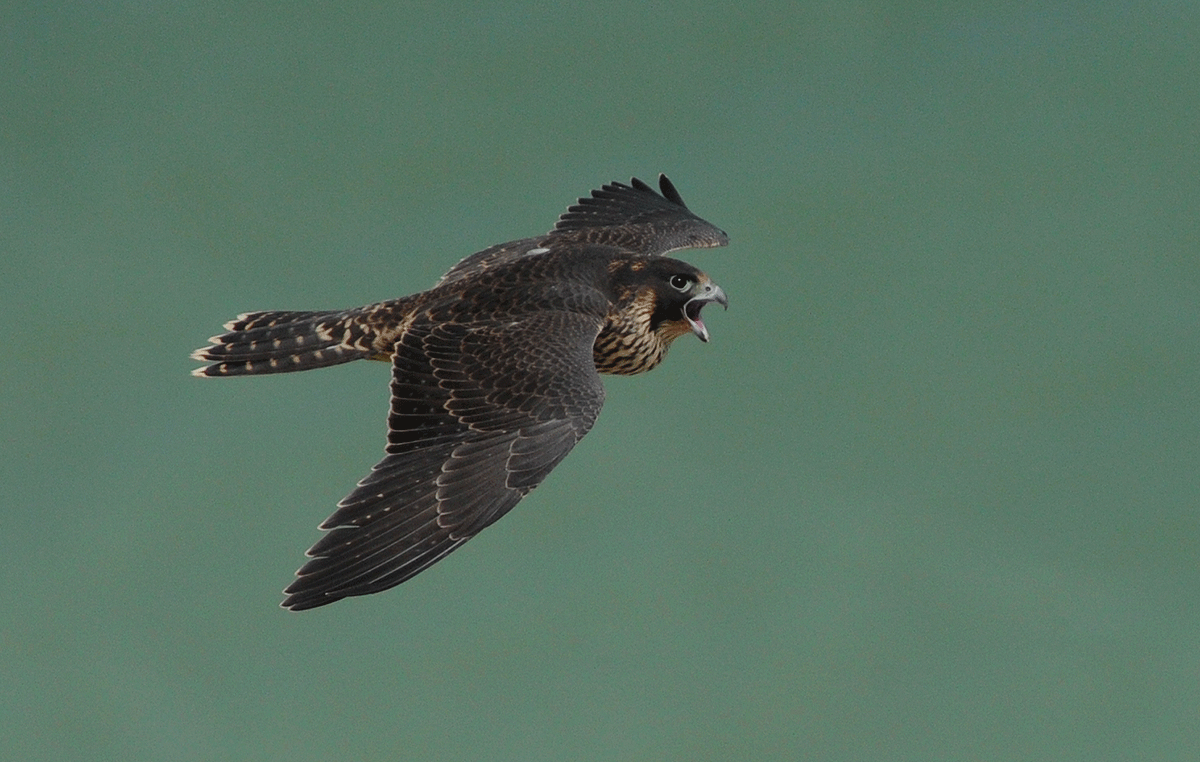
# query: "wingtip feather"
669,192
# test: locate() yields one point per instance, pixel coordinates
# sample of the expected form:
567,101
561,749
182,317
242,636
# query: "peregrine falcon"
495,374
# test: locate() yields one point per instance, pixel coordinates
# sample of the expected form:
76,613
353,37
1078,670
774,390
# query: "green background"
929,494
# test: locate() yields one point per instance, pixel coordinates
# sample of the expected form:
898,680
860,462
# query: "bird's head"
675,293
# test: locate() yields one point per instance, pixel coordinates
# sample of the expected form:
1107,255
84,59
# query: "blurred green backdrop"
930,493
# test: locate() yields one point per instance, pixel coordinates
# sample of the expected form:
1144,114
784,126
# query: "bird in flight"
495,374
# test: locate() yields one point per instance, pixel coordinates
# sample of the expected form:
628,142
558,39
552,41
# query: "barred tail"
282,342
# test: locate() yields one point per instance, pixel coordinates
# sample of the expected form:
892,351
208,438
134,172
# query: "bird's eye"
680,282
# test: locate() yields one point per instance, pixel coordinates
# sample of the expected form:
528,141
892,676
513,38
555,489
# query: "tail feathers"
282,342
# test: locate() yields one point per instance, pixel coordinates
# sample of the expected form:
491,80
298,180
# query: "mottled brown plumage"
495,374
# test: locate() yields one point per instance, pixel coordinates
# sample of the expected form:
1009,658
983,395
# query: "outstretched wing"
657,224
481,413
632,217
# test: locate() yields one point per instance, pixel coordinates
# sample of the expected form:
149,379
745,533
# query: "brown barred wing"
635,218
631,217
481,413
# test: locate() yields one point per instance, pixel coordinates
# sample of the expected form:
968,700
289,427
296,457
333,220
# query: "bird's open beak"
708,292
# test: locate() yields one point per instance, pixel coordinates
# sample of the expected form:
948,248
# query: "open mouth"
710,292
691,311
